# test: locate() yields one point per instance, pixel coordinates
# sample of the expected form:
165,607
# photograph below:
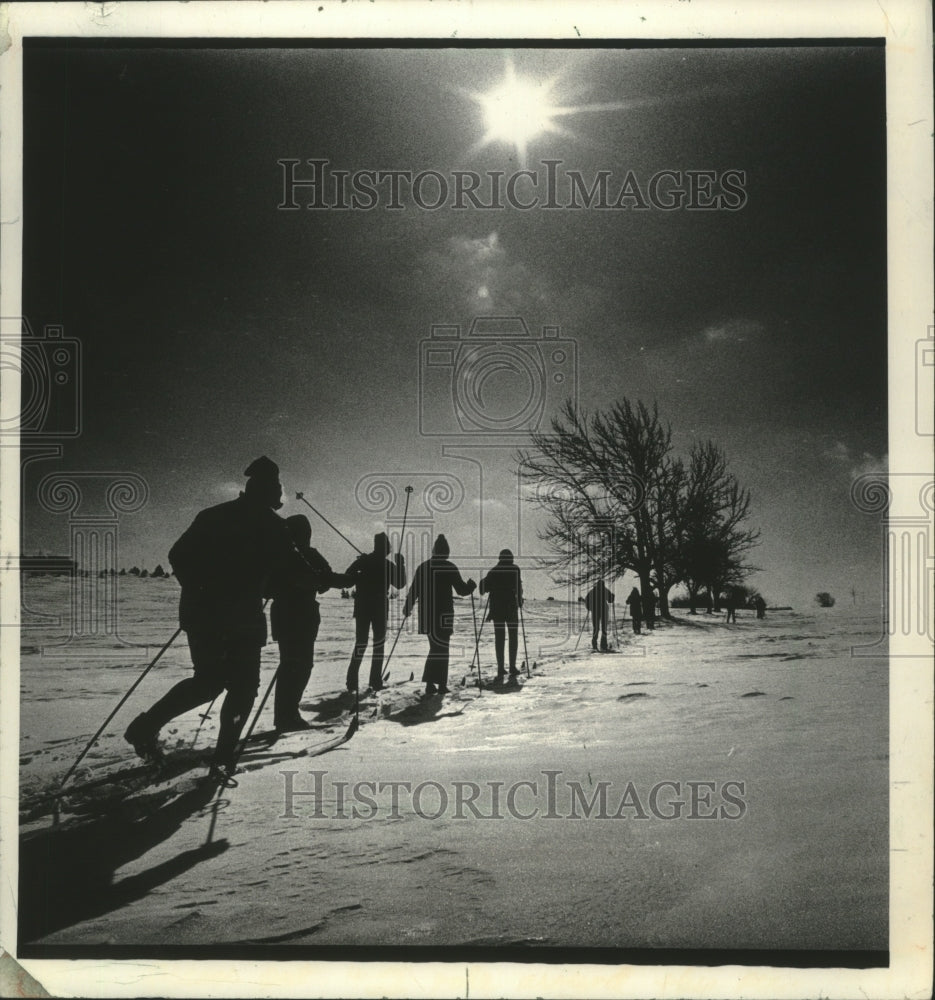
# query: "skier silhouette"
224,562
730,605
596,601
372,575
295,617
432,587
505,587
635,604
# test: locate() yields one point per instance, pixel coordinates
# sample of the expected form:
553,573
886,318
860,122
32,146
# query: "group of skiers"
643,610
598,601
238,555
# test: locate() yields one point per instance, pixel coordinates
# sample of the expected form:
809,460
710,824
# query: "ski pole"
256,718
402,536
402,530
386,666
205,715
237,755
522,622
301,496
243,742
477,640
120,705
584,622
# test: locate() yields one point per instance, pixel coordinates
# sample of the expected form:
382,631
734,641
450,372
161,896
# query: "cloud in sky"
856,462
477,275
735,331
490,504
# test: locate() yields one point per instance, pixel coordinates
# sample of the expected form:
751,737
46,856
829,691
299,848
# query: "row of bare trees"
618,499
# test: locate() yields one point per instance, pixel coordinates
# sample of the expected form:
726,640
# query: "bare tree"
714,537
613,476
591,475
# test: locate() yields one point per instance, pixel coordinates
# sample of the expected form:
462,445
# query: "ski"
319,749
126,781
378,691
504,683
271,736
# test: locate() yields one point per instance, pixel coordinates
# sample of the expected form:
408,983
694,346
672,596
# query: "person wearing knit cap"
294,620
372,575
596,601
432,587
224,563
505,588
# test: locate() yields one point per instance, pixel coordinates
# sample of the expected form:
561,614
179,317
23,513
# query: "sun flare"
517,110
520,109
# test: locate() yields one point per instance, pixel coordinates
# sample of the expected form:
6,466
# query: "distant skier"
294,619
596,601
635,604
372,575
760,605
432,587
224,562
649,609
505,587
730,605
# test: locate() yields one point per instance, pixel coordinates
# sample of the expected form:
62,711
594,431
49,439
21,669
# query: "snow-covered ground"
464,821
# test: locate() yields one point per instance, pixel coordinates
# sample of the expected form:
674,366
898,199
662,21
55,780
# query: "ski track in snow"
780,705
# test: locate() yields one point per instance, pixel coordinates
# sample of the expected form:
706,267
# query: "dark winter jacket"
372,575
225,561
294,613
432,587
597,597
505,587
635,603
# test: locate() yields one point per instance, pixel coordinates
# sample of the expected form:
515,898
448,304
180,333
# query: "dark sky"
216,327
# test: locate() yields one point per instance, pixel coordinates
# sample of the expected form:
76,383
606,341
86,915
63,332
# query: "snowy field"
736,779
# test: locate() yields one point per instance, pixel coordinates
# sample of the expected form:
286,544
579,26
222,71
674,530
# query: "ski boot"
140,736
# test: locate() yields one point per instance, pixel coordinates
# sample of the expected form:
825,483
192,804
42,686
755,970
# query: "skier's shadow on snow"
331,708
427,709
508,687
66,873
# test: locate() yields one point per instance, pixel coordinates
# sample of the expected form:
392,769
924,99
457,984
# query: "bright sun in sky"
518,109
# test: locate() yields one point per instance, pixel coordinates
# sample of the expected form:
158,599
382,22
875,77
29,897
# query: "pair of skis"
152,770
